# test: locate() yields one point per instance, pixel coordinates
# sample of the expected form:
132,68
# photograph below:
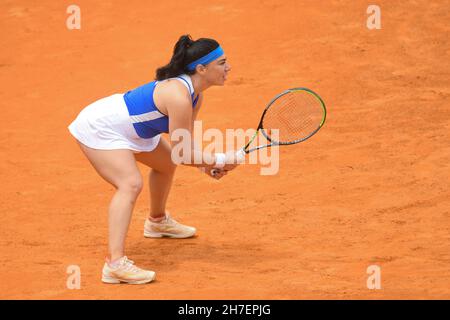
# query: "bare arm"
197,146
178,105
181,117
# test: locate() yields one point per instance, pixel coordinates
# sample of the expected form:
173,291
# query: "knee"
133,186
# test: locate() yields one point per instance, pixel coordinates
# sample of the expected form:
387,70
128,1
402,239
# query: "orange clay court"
371,188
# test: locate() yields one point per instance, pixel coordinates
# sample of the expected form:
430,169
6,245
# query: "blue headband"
213,55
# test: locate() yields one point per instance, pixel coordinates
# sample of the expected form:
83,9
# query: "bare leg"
117,167
161,176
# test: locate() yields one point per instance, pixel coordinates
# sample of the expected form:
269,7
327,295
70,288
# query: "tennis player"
116,131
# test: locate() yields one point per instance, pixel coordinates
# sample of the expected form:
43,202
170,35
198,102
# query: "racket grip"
240,155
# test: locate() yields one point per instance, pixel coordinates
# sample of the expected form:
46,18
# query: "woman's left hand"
217,173
214,172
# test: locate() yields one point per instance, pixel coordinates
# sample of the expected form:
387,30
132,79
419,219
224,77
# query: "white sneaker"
126,272
167,228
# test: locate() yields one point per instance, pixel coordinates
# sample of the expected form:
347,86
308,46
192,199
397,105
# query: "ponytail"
185,51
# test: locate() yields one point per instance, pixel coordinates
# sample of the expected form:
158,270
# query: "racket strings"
296,115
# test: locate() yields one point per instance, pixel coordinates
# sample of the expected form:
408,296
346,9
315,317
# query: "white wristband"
240,156
220,160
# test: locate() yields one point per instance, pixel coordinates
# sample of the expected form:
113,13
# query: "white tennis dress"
106,125
125,121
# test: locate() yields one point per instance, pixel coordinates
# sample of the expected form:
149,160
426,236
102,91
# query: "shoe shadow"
164,254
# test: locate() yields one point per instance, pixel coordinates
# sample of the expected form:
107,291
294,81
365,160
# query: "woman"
117,131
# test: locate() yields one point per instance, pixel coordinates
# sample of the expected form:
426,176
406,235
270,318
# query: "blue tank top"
147,120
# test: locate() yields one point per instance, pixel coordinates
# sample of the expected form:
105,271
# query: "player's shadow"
166,254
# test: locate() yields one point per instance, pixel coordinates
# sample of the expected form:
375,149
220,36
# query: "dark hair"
185,51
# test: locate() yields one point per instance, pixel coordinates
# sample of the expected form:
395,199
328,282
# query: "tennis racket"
296,113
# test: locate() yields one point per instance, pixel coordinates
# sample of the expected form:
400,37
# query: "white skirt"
106,125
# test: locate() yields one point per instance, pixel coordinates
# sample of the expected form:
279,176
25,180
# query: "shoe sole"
148,234
110,280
